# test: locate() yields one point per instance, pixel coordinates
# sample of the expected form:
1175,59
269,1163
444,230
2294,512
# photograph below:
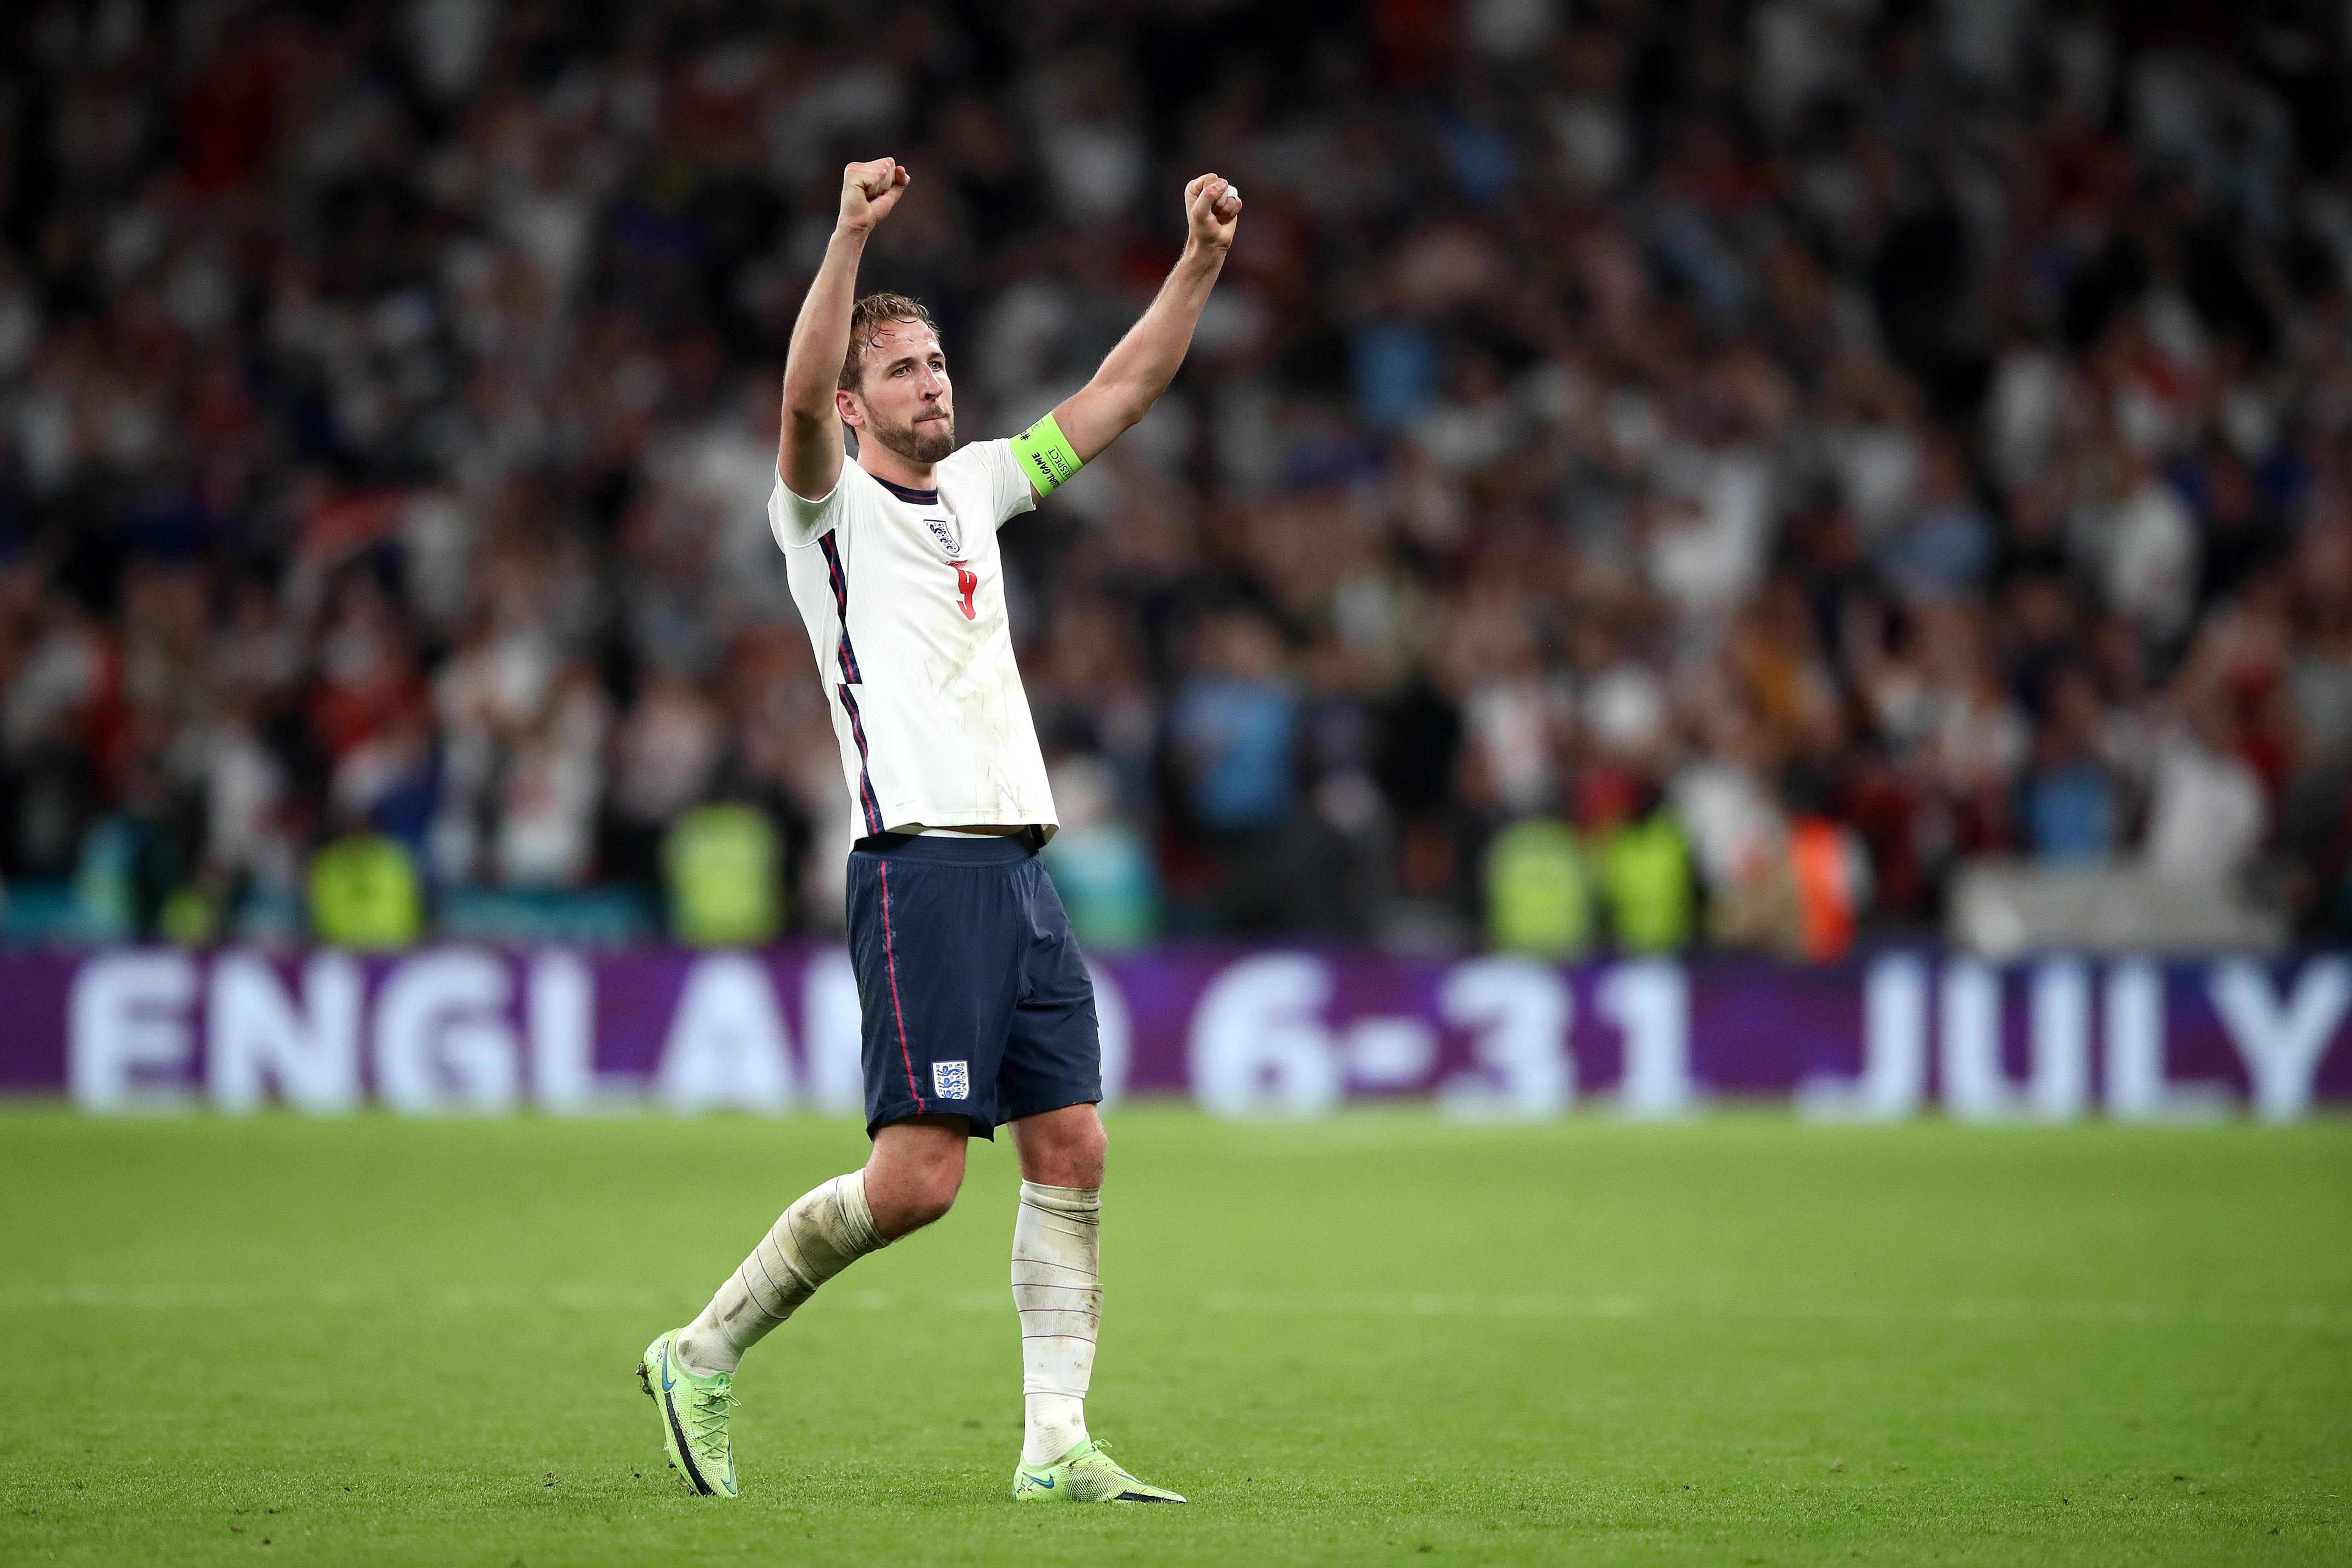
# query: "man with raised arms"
977,1008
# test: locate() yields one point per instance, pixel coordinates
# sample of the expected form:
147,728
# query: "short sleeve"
1008,486
796,522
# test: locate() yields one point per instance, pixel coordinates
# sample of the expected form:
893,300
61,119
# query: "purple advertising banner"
1279,1030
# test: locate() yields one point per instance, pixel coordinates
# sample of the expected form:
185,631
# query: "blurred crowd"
1652,473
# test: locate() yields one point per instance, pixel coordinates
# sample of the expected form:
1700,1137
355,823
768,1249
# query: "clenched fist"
869,191
1213,210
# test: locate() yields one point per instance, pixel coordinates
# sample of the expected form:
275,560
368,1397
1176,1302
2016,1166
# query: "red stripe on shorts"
890,958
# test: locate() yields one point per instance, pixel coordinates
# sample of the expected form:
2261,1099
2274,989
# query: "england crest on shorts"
951,1080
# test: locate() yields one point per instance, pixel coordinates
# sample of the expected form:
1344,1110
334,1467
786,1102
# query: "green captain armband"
1046,456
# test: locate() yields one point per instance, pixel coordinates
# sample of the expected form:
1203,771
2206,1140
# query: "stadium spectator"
1234,727
1923,430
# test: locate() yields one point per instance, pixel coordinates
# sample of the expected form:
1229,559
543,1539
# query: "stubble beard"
925,442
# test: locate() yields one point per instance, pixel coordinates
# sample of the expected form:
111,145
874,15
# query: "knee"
1093,1154
1077,1158
912,1179
912,1202
932,1193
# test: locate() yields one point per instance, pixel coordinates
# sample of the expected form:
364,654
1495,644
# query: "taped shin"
1058,1287
825,1231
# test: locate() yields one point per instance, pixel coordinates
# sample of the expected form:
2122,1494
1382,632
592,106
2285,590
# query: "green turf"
1385,1338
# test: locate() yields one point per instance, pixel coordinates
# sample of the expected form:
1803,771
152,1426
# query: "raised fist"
869,191
1213,209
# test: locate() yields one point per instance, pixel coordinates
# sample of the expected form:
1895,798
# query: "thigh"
938,977
1054,1058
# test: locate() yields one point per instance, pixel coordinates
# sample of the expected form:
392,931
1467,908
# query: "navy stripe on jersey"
841,606
919,497
866,804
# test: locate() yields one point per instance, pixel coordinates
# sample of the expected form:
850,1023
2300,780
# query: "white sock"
1058,1287
826,1229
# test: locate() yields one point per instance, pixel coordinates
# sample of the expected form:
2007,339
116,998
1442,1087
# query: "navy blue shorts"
975,1001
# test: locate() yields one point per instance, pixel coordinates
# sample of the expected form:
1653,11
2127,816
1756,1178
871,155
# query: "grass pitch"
1384,1338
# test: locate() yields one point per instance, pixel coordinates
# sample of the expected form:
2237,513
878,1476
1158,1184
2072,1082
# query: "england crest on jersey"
951,1080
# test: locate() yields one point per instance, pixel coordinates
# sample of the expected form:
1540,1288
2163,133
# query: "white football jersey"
903,595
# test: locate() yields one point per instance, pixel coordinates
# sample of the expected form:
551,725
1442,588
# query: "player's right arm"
808,452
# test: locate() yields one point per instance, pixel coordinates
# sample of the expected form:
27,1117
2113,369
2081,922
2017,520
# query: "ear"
851,408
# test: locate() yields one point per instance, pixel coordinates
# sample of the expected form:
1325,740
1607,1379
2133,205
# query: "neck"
891,469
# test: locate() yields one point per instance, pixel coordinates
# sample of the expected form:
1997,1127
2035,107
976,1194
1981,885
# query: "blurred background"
1653,476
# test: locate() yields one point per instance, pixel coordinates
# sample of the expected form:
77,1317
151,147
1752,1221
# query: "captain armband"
1045,455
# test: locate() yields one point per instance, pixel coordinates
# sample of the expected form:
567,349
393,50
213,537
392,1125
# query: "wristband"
1046,456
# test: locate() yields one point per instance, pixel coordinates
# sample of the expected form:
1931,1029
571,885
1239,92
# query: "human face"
904,399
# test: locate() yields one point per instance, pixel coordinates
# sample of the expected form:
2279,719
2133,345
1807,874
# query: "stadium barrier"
1285,1031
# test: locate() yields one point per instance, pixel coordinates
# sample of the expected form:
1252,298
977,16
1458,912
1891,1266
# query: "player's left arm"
1138,370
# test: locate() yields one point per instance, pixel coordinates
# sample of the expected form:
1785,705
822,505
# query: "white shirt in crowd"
903,595
2205,814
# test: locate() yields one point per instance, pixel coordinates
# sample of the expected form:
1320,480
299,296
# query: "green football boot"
1085,1474
694,1411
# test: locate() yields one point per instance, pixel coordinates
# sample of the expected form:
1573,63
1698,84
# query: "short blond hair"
867,319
